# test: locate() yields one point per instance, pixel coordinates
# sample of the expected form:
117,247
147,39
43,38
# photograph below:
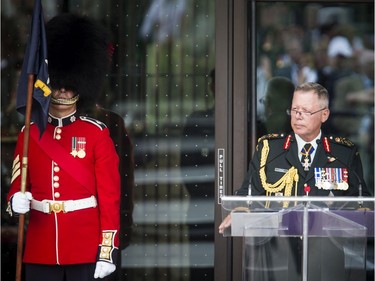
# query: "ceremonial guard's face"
62,94
63,102
308,114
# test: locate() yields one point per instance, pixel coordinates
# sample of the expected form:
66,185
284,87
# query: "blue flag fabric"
35,63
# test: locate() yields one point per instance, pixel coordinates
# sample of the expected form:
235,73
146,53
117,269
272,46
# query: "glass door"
161,85
269,47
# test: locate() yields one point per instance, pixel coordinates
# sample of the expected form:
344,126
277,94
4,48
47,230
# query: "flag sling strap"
71,165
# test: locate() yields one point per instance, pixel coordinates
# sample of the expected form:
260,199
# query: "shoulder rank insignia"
341,140
270,136
275,136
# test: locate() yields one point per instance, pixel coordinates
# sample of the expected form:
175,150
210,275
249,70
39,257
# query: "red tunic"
73,237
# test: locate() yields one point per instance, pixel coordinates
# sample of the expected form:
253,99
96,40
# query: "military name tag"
331,178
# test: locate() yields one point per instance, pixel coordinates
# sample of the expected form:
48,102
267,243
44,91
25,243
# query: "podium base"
280,259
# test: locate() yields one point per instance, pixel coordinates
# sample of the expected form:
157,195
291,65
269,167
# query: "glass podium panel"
304,238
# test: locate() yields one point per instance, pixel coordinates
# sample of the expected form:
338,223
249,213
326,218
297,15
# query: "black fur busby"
78,54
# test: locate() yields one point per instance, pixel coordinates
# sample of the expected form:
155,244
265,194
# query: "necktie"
306,152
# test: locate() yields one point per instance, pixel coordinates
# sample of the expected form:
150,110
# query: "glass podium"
302,238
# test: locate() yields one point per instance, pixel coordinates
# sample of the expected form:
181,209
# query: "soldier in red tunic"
73,181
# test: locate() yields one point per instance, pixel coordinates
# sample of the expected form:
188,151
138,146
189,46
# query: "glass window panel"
160,83
329,43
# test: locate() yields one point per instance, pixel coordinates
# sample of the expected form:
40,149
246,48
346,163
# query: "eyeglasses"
302,113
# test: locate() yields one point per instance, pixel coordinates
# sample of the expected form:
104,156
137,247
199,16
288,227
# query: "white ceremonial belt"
48,206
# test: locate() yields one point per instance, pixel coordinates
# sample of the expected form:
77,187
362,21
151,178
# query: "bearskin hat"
78,54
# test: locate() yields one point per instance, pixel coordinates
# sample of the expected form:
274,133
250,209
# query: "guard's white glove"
103,269
21,202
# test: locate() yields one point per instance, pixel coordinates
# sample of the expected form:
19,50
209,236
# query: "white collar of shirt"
301,143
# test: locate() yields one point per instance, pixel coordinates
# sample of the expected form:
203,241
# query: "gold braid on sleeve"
284,183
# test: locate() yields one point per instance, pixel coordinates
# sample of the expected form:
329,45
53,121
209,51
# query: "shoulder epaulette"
341,140
271,136
93,121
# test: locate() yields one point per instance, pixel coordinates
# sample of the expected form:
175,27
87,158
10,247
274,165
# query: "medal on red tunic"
78,147
74,147
81,147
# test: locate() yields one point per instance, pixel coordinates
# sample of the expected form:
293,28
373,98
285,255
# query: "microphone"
351,171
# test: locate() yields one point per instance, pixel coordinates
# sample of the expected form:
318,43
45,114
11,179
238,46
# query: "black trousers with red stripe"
75,272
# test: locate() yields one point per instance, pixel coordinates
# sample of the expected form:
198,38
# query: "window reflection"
197,161
163,54
328,43
277,99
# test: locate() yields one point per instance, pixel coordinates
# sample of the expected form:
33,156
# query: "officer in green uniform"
304,162
278,155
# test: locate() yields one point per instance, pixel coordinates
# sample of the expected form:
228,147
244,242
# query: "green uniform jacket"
332,152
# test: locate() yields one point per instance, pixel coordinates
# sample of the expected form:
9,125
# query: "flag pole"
34,67
21,222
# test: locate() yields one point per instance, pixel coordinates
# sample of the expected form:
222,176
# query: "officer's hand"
226,223
21,202
104,269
